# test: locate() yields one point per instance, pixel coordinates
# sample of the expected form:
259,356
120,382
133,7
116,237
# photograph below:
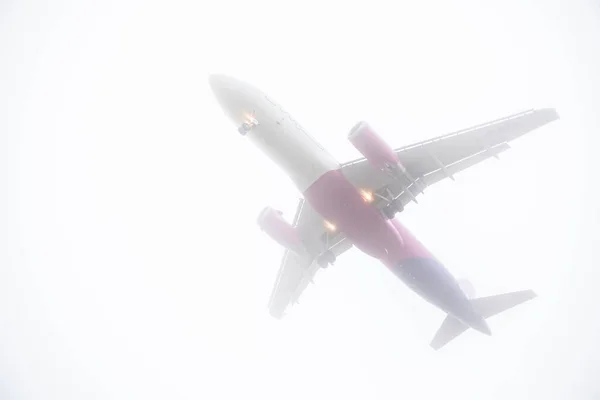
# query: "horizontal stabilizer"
492,305
450,329
485,307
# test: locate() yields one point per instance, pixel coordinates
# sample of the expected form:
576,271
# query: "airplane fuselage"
318,176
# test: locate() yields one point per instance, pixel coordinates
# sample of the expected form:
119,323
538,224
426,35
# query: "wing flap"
420,158
433,160
442,173
297,271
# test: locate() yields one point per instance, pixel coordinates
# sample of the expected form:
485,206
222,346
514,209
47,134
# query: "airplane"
354,204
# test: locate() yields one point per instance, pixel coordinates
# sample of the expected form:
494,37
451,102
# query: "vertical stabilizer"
467,288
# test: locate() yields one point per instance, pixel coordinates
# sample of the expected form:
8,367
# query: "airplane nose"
238,100
218,83
227,93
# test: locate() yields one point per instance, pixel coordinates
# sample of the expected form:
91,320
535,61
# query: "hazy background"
131,265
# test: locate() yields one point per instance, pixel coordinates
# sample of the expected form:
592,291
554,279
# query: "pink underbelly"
338,201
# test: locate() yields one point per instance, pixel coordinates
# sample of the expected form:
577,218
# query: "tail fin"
467,287
485,307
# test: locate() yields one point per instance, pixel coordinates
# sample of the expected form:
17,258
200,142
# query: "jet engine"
271,221
375,149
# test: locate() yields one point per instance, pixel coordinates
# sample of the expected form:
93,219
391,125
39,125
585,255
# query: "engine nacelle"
374,148
271,221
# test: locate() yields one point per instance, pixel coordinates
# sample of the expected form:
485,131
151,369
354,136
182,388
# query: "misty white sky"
131,265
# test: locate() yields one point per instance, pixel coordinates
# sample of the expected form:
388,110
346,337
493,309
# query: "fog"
131,265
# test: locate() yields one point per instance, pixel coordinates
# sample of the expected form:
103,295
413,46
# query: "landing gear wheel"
389,212
397,205
243,130
247,126
325,259
394,207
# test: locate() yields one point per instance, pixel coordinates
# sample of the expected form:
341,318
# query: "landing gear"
325,259
391,209
247,126
243,129
398,206
389,212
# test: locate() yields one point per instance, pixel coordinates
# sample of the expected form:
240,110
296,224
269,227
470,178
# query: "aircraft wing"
296,272
431,161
